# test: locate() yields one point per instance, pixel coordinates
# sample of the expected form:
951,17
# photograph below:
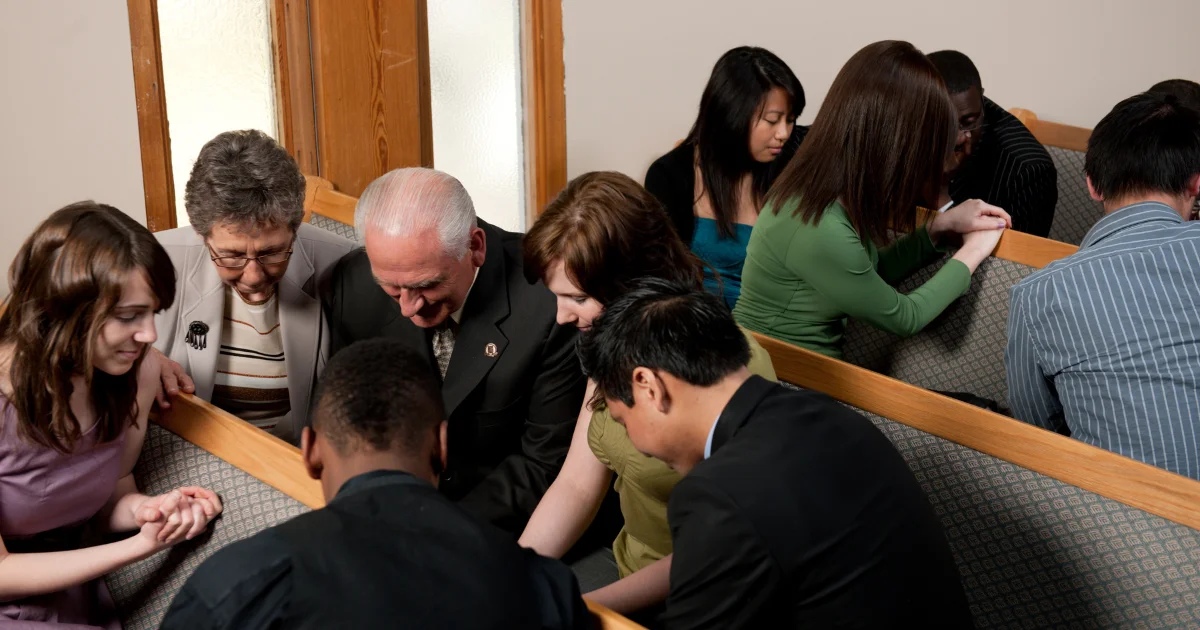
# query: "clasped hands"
181,514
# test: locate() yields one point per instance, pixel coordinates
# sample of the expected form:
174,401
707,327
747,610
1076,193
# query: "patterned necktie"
443,344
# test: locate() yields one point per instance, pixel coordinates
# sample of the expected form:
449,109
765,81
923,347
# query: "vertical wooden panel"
293,82
545,102
151,99
371,82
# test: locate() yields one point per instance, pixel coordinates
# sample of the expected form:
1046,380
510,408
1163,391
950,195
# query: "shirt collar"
457,315
376,478
1127,217
708,443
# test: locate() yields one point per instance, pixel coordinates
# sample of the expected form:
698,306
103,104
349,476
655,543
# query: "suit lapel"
479,342
737,412
206,308
300,324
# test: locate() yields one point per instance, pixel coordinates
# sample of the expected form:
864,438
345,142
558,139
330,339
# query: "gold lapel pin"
490,350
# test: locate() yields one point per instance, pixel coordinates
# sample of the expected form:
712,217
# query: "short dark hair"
244,178
1188,92
1149,143
668,327
958,71
380,394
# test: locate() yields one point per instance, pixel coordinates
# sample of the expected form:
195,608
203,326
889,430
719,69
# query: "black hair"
665,326
729,108
1149,143
380,394
958,71
1188,92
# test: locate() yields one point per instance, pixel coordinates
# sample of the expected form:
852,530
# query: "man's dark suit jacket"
387,552
511,415
805,516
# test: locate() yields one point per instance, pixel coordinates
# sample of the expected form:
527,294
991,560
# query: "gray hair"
412,201
246,179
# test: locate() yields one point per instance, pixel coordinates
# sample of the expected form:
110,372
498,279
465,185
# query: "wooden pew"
962,350
1076,212
327,208
1046,531
261,480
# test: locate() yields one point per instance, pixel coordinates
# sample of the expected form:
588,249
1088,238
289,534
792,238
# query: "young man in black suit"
388,550
451,288
794,511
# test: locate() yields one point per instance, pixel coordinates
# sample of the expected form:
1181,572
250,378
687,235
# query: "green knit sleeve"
832,259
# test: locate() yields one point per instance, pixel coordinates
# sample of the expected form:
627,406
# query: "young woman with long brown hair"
76,387
876,151
603,232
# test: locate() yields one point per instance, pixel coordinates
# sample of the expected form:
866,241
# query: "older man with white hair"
450,286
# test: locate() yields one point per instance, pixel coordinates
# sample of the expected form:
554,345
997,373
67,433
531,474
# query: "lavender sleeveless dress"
44,497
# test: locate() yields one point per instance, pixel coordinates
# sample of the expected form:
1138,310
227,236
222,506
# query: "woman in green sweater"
876,151
603,232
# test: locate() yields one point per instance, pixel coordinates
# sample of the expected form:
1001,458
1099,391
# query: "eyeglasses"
238,262
974,127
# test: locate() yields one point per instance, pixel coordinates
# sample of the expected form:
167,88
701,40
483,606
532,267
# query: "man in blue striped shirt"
1105,344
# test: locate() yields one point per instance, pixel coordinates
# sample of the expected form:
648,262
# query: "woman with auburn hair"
76,387
876,151
713,184
602,233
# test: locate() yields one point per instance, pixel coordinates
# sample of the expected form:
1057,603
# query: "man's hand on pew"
173,379
179,515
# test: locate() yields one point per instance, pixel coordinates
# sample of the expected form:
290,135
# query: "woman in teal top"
876,151
713,184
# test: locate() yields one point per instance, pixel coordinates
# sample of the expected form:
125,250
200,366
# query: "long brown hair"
879,144
608,231
66,280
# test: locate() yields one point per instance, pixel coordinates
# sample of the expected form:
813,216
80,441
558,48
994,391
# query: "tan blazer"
200,297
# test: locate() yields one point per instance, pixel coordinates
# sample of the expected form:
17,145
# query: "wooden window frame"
544,98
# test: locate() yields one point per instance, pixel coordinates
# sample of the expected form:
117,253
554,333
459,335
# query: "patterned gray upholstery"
337,227
1034,552
143,591
1076,211
960,351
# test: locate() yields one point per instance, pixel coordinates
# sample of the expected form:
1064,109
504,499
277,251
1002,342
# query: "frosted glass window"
475,80
218,75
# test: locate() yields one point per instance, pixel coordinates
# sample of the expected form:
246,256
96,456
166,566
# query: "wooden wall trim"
153,131
1052,133
258,453
1133,483
294,101
545,103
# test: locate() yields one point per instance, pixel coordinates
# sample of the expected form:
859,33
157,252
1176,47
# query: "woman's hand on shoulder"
970,216
169,377
179,515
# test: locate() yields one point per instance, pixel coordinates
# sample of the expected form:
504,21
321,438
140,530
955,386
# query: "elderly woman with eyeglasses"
247,322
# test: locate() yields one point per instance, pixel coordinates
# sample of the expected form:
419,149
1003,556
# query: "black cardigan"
672,179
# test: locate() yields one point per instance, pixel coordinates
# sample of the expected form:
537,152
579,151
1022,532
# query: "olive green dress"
645,483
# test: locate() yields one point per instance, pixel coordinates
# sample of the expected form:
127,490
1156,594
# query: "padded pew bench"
1047,532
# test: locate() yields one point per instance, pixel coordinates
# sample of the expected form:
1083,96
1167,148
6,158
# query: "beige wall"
635,68
68,121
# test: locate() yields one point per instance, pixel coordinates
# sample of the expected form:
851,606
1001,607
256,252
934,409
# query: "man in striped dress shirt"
1105,344
996,158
